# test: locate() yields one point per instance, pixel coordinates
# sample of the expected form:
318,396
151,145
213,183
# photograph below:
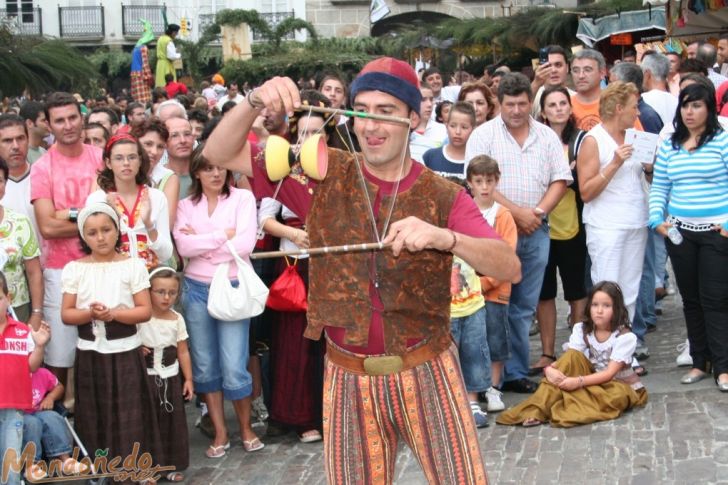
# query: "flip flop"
175,476
73,467
217,451
310,436
253,445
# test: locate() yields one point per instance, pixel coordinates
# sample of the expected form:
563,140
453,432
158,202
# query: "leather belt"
380,365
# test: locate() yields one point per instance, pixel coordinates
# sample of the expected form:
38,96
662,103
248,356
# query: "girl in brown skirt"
593,380
106,295
165,345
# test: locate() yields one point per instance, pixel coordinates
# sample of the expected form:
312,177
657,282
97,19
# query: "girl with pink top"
214,213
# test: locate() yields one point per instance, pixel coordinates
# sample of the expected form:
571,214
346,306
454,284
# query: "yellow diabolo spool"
279,158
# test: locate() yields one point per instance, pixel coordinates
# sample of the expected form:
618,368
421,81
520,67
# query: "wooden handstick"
346,248
356,114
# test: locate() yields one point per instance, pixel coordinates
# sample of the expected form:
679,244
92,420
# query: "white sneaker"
684,359
495,400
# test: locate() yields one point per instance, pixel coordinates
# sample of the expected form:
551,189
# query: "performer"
391,367
166,55
141,73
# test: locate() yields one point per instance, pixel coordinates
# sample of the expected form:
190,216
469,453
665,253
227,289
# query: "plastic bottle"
674,236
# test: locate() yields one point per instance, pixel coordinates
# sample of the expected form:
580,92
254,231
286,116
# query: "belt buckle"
383,365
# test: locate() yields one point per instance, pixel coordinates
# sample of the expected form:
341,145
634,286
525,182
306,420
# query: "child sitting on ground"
593,381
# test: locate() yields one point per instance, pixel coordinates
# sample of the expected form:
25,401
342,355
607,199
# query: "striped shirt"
696,183
526,171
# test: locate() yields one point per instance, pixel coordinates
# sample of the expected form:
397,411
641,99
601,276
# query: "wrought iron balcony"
273,19
23,21
81,22
131,14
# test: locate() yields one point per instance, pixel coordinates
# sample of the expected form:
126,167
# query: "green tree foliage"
111,62
40,65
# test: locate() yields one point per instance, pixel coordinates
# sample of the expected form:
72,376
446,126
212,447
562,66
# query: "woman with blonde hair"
615,204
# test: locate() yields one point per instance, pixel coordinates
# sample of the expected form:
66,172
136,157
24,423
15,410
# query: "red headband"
117,138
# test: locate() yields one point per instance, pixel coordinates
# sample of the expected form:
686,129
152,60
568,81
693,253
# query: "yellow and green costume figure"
166,55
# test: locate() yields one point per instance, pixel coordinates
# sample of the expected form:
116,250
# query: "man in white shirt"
440,92
708,55
37,126
655,68
723,55
429,133
535,173
14,150
233,94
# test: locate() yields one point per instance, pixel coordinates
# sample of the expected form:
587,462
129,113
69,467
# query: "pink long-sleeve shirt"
206,249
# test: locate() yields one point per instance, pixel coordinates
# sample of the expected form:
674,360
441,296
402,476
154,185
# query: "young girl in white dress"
106,295
169,369
593,381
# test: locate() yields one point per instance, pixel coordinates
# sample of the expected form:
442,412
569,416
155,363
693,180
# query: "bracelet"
249,98
601,174
454,241
581,381
37,310
539,211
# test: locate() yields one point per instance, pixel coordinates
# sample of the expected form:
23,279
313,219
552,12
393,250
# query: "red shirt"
464,218
16,344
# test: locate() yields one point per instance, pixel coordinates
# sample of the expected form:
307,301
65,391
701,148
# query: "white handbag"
247,300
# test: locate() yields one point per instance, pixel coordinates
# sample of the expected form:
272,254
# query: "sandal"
253,445
217,451
531,422
534,371
175,476
310,436
73,467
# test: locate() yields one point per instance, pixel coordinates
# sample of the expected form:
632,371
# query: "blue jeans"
533,252
219,349
496,323
469,334
48,431
644,314
11,437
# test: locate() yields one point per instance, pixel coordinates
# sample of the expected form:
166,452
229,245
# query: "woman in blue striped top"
690,192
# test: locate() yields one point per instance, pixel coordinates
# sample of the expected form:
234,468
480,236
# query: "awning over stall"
591,31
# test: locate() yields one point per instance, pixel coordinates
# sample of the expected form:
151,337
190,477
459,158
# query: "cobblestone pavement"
681,436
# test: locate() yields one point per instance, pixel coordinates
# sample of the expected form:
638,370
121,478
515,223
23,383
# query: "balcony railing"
131,14
273,19
23,21
204,20
81,22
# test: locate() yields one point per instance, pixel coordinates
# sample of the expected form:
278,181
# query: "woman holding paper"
615,204
690,193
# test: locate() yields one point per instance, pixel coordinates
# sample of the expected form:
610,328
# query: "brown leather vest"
414,287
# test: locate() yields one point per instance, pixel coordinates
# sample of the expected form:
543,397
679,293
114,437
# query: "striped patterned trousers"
427,406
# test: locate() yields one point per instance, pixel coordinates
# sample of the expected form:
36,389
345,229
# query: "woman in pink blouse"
214,213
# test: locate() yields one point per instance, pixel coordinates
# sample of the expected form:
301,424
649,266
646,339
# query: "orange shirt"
587,115
495,290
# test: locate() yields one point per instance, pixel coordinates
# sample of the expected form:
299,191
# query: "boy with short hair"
21,352
483,176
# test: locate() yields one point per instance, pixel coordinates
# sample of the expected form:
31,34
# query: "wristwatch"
73,214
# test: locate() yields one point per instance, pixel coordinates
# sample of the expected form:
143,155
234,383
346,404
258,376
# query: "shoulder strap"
575,144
